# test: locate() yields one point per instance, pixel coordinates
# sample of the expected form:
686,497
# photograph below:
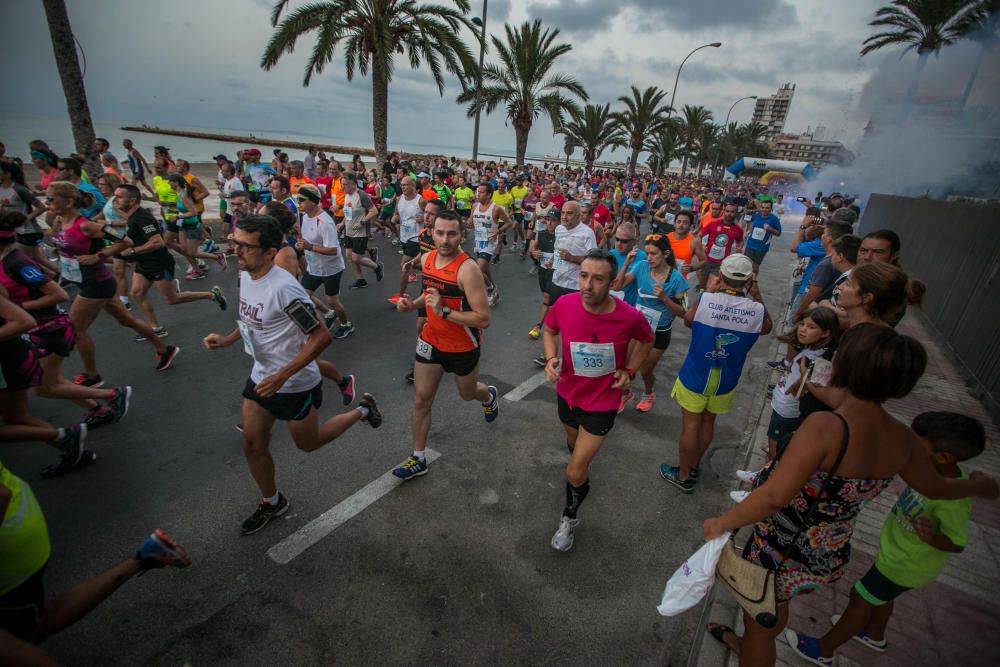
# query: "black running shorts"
595,423
286,407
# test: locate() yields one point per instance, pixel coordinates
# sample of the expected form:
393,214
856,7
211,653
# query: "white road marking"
292,546
526,387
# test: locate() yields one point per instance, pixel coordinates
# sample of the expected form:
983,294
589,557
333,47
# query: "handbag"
753,586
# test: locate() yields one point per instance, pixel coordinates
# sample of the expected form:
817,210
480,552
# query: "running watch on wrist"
445,312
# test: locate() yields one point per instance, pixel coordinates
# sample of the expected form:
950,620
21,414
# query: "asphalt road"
452,568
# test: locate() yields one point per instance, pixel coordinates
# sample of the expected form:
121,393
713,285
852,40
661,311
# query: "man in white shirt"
324,258
283,336
573,240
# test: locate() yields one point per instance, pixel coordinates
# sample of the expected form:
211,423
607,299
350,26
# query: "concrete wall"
955,249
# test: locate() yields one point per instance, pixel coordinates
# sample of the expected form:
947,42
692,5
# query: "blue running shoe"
492,409
413,467
160,550
807,648
672,474
347,389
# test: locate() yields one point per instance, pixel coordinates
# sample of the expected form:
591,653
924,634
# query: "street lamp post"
479,79
678,77
748,97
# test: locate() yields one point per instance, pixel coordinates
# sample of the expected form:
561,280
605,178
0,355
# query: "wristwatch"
445,312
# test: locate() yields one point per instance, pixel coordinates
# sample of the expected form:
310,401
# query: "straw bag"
752,585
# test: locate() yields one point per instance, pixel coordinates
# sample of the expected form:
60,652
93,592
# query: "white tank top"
483,224
409,216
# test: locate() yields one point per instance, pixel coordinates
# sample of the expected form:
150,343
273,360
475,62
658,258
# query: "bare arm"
200,191
16,319
470,280
919,473
52,295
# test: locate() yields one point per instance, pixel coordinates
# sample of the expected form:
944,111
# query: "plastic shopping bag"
693,578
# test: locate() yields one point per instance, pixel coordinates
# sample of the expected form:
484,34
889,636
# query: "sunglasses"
618,240
655,237
246,246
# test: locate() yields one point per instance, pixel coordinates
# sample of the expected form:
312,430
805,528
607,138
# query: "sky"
196,64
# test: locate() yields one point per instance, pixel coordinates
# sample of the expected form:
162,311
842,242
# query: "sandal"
718,632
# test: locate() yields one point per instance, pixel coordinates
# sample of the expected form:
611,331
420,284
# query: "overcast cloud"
196,63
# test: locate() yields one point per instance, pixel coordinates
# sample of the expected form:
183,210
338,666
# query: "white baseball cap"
736,267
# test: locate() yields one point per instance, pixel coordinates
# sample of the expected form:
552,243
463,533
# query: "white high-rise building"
772,111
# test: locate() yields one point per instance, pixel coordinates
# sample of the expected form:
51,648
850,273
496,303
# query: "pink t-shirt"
593,348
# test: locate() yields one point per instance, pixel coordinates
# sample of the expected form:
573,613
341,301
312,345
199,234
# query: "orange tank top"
447,336
682,250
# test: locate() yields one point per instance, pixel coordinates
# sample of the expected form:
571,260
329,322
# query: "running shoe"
346,385
807,648
160,550
409,375
646,402
673,475
220,259
877,646
535,332
563,538
263,515
496,257
413,467
395,243
412,278
56,469
205,245
344,330
238,427
379,271
738,496
164,360
491,409
219,298
494,297
98,417
374,416
748,476
201,264
119,402
71,444
161,332
194,275
693,474
626,399
359,283
395,298
780,365
540,360
87,381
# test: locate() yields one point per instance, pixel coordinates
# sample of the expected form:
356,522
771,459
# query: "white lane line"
292,546
526,387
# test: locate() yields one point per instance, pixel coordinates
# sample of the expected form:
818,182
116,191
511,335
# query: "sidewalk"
956,619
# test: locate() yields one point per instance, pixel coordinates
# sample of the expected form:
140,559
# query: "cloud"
498,10
235,84
589,16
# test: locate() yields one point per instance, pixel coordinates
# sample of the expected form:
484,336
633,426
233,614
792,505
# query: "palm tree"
64,46
664,146
986,35
594,130
924,25
693,121
373,32
643,116
707,145
522,83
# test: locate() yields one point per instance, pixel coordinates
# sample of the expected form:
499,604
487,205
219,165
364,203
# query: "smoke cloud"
940,149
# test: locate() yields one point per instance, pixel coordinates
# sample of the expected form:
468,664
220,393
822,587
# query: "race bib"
528,215
348,214
592,359
617,294
758,233
423,349
70,269
669,218
540,224
651,314
245,335
408,230
717,252
322,188
517,202
747,218
546,260
482,234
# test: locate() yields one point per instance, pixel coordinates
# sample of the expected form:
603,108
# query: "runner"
231,184
258,176
624,243
543,247
720,238
358,211
762,226
154,265
454,296
573,241
683,242
725,322
407,218
519,192
282,334
189,228
662,295
426,245
593,332
324,258
483,222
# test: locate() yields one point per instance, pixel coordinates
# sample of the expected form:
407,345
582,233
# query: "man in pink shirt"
591,330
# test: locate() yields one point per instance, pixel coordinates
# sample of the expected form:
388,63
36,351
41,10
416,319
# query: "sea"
17,129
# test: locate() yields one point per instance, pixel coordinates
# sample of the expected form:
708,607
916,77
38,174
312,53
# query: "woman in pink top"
593,330
82,254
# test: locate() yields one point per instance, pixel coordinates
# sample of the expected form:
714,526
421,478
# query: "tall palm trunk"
380,113
64,47
911,90
684,166
633,159
521,130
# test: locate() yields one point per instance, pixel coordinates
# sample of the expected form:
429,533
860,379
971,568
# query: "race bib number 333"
592,359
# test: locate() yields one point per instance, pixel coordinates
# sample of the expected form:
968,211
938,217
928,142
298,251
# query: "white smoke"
940,150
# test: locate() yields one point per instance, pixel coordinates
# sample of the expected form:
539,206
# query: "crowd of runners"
615,259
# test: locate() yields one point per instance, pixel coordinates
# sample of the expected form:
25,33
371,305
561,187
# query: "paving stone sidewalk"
955,620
